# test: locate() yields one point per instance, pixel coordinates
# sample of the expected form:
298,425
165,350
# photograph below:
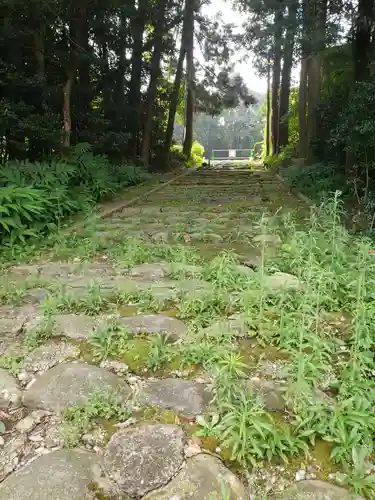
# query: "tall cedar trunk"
135,98
67,91
119,111
37,145
286,76
276,78
189,111
85,92
302,105
104,76
155,73
176,88
302,116
362,55
268,109
79,17
362,47
318,39
313,99
39,51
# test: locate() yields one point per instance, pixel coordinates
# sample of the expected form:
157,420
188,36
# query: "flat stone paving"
209,210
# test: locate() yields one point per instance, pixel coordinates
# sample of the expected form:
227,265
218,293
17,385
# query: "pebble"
300,475
25,425
36,438
311,475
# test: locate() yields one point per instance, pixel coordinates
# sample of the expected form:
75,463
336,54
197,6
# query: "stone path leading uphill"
98,328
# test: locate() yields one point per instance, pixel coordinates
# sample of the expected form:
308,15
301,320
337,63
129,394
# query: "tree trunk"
39,51
135,98
286,76
317,23
189,115
313,99
362,47
302,111
276,78
85,92
118,111
176,90
104,76
37,144
155,73
268,109
67,91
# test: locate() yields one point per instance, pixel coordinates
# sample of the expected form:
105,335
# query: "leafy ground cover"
266,304
35,198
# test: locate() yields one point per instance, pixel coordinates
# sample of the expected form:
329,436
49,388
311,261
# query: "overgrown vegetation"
98,407
320,132
319,333
36,197
196,157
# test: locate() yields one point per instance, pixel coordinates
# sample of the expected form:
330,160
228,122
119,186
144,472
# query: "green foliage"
37,335
98,406
317,181
196,158
12,364
35,197
159,353
110,341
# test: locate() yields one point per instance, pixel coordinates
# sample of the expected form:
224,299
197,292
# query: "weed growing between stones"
330,389
78,420
285,346
12,364
160,353
37,335
110,341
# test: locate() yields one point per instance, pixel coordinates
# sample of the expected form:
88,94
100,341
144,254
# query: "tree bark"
120,83
85,92
317,24
302,104
67,91
313,99
276,78
155,73
135,98
176,90
189,114
362,47
268,109
37,144
39,51
286,76
302,109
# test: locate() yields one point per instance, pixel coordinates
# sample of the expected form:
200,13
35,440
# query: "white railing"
232,154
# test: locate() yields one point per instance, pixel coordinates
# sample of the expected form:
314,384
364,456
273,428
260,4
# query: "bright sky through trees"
244,65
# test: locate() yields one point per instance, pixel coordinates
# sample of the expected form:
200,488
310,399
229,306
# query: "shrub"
35,197
317,181
196,158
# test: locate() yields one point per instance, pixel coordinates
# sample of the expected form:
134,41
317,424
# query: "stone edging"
295,192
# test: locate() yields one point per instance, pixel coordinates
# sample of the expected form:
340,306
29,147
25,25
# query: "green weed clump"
98,407
36,197
330,389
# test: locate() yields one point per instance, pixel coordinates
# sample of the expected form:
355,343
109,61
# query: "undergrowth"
328,378
78,420
36,197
